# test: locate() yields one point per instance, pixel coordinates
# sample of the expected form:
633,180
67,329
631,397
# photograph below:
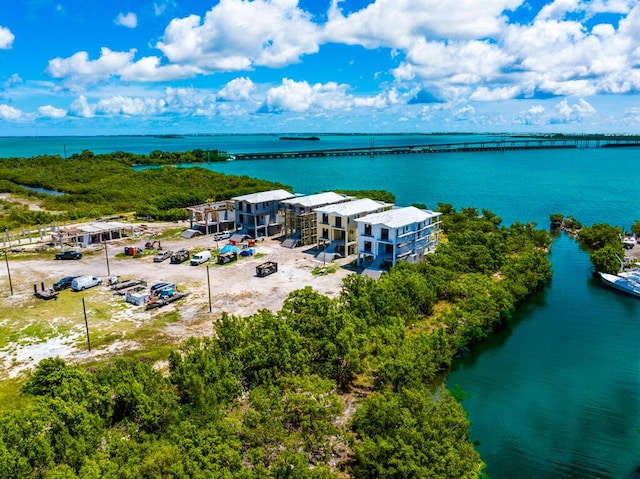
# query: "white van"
83,282
201,257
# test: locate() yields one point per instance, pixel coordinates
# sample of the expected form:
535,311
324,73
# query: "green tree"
606,260
413,433
600,235
556,220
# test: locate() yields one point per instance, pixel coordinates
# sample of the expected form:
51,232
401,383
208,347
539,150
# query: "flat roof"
264,196
101,227
399,217
319,199
355,207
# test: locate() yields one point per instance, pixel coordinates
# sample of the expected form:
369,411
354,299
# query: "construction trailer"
228,257
265,269
179,256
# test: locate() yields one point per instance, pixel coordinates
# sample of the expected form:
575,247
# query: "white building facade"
337,229
398,234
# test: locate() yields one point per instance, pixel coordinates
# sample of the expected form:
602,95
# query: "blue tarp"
229,248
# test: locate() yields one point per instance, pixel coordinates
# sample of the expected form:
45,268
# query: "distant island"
304,138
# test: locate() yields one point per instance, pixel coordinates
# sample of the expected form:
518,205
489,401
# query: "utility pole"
106,255
86,323
209,287
6,259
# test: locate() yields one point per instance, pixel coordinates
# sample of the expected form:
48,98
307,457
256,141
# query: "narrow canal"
557,394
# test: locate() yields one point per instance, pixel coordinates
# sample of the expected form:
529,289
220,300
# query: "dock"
433,148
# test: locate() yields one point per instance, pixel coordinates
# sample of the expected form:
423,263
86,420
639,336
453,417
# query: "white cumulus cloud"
14,79
566,113
129,20
237,89
150,69
10,113
50,111
78,64
6,38
128,106
399,23
82,108
237,35
301,96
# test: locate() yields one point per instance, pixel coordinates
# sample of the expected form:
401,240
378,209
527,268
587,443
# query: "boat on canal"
627,282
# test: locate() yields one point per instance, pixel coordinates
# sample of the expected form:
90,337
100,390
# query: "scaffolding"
301,225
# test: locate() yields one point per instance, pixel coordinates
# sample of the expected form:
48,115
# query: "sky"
78,67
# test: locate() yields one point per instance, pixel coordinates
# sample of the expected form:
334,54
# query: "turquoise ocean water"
557,394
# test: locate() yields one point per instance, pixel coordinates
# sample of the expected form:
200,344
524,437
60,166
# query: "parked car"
70,254
201,257
64,283
222,236
83,282
161,256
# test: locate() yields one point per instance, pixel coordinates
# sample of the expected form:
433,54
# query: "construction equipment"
153,245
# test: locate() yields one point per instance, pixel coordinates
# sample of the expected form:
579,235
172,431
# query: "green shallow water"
557,394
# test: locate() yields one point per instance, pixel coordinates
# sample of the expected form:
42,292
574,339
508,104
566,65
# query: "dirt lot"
32,329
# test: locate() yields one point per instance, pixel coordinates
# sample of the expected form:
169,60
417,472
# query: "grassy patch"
169,234
324,270
164,319
36,320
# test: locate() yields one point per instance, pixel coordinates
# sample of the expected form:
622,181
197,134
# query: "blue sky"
73,67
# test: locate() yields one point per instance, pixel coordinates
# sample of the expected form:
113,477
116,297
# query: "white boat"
627,282
629,242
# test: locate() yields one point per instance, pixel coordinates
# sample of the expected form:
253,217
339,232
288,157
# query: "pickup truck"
162,255
64,283
70,254
222,236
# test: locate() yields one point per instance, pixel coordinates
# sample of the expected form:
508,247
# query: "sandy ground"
234,288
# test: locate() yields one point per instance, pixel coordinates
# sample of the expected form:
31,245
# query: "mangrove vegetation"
91,186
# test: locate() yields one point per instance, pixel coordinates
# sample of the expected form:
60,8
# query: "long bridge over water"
496,145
